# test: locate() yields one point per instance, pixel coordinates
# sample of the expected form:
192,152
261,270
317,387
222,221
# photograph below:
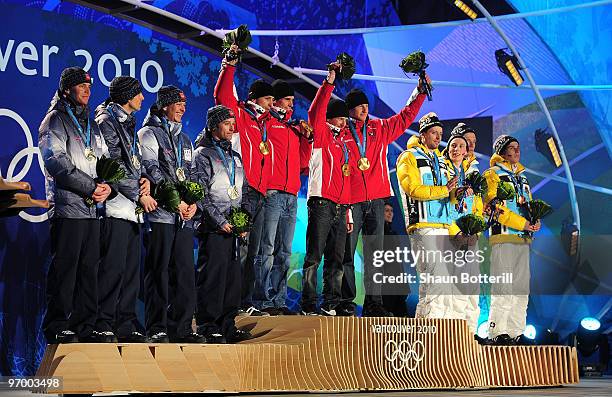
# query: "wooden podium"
311,353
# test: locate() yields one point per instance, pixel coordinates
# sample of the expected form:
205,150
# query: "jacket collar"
415,142
497,160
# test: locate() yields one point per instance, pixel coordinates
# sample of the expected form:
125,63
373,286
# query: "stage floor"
588,387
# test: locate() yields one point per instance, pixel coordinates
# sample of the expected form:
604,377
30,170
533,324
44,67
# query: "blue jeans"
280,211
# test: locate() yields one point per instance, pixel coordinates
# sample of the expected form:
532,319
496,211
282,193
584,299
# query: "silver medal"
180,174
135,161
90,154
232,192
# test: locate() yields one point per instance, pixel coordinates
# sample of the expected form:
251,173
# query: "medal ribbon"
179,152
518,186
346,153
231,171
264,136
86,138
434,164
460,183
135,137
360,145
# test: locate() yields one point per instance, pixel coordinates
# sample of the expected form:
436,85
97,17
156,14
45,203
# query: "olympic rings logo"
404,355
28,151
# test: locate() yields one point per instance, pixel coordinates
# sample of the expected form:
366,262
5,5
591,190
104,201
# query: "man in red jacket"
329,194
370,185
290,149
253,122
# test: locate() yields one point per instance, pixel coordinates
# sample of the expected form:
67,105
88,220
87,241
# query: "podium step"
313,354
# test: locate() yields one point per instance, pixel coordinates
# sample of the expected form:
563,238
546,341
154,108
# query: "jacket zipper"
287,162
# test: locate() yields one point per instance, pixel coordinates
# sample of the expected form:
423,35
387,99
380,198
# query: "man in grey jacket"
220,172
169,278
70,144
119,273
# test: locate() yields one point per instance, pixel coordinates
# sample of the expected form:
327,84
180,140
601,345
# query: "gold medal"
346,169
135,161
264,148
180,174
306,128
90,154
363,163
233,193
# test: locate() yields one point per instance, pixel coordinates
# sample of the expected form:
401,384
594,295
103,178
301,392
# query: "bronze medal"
521,200
264,148
90,154
346,169
135,161
180,174
363,164
232,192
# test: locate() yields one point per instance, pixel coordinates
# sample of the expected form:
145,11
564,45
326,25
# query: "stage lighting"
530,332
588,340
483,330
590,324
570,237
466,9
509,65
547,145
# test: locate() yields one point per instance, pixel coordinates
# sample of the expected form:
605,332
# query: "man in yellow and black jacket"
422,174
510,244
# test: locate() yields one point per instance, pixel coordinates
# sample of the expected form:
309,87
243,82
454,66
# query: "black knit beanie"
336,108
169,94
281,89
259,89
124,88
73,76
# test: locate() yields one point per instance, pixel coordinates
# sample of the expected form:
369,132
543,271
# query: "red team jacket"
257,167
325,177
374,183
290,151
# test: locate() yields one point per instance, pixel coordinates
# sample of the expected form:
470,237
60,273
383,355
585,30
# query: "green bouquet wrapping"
471,225
477,182
536,210
415,63
240,36
190,192
240,220
167,196
505,191
108,171
346,70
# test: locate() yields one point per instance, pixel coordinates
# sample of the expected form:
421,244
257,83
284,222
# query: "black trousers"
218,284
118,276
169,280
252,201
325,235
72,288
368,217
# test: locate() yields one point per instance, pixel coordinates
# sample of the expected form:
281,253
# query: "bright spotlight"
590,323
530,332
